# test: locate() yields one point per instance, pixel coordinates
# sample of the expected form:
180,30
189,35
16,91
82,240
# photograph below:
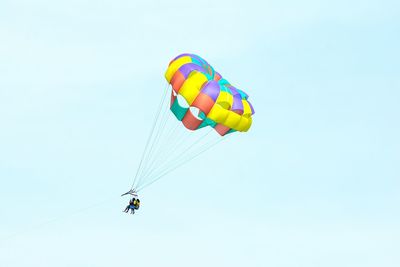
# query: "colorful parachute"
199,97
211,100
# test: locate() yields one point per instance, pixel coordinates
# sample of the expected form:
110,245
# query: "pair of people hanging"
133,205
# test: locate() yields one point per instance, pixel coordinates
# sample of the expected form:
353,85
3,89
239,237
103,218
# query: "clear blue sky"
318,174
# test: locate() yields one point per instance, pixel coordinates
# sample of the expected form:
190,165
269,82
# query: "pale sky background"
316,182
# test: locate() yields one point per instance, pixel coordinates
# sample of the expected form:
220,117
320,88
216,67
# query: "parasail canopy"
209,99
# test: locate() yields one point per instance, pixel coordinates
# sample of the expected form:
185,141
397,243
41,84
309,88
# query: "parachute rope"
176,144
186,152
164,150
157,134
150,135
183,162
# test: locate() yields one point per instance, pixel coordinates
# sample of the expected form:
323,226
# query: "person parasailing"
134,202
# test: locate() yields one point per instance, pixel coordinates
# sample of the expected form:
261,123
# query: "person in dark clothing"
130,206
